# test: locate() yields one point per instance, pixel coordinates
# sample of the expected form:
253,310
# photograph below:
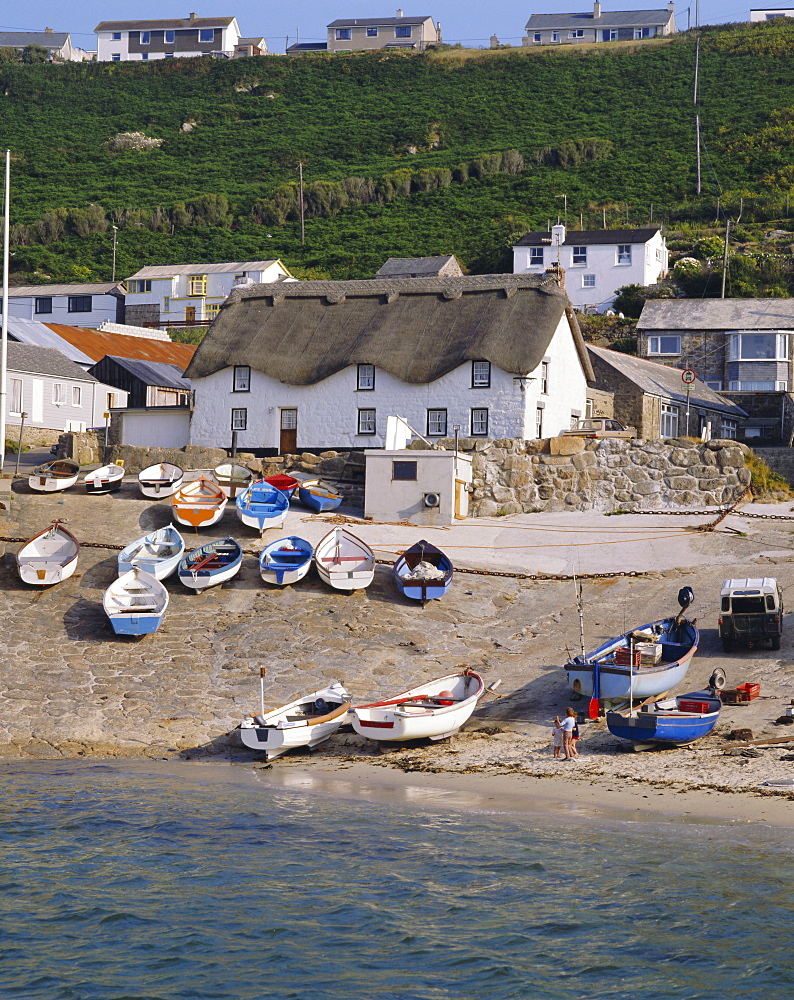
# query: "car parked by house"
601,427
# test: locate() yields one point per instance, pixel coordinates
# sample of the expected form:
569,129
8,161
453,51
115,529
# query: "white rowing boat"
160,480
305,722
135,603
49,557
157,553
51,477
344,561
105,480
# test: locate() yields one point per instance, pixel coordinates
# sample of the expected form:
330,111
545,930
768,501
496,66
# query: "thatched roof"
417,329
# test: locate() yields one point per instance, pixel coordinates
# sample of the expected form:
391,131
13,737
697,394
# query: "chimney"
557,235
438,32
596,10
192,17
48,31
399,13
671,6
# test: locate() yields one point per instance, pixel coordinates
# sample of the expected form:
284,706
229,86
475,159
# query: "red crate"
625,658
687,705
748,692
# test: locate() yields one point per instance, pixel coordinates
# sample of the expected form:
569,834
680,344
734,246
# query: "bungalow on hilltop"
599,26
367,33
322,364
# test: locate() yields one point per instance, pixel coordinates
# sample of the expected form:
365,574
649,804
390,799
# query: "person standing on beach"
556,735
568,726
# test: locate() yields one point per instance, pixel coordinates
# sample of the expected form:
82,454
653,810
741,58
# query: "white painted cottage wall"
103,310
38,401
649,262
328,411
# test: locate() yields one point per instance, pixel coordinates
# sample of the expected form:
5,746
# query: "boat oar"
262,688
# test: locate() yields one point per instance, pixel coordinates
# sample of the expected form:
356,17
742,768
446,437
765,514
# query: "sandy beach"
71,689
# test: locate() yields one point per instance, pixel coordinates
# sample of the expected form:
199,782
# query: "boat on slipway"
423,572
432,710
286,560
157,553
232,478
52,477
672,722
305,722
642,663
262,506
48,557
105,480
211,564
199,503
135,603
318,495
344,561
287,484
161,480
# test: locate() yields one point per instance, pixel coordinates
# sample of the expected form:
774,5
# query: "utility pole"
697,109
565,209
115,233
725,254
303,228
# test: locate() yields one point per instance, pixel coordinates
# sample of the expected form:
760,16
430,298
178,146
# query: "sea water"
123,884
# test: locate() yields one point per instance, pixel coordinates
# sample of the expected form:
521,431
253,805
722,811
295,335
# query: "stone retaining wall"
516,476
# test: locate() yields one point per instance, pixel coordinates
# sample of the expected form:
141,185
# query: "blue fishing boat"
319,496
135,603
423,572
262,506
672,722
286,560
211,564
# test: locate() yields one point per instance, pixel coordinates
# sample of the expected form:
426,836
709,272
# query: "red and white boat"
199,503
433,710
49,557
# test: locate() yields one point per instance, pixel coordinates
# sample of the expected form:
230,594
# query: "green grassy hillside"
398,151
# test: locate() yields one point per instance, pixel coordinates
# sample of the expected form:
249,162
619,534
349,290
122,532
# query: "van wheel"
727,645
775,642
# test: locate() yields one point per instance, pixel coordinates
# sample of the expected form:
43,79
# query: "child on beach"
556,735
568,726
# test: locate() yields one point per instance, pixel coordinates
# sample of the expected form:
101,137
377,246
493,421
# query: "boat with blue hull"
135,603
262,506
286,560
672,722
643,663
211,564
423,572
319,496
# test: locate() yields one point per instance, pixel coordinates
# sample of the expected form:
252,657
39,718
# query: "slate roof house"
421,267
598,26
127,41
596,261
57,43
742,347
54,393
653,398
400,32
321,364
147,383
89,304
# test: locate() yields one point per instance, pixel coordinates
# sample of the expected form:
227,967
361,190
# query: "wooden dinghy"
433,710
51,477
105,480
232,479
423,572
199,503
344,561
642,663
305,722
286,560
287,484
672,722
157,553
262,506
210,564
160,480
49,557
135,603
319,496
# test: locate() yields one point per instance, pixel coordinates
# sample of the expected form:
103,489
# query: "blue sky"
472,25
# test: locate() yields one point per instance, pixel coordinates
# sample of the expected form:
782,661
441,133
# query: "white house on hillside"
400,32
88,305
322,364
599,25
185,293
770,13
596,261
128,41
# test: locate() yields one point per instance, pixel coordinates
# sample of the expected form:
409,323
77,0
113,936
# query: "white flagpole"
4,337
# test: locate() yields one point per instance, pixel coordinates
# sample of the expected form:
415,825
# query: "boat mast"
578,589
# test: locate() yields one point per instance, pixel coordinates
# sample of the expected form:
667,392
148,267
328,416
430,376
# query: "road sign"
688,376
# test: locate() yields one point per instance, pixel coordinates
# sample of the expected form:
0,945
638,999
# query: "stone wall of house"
603,402
514,476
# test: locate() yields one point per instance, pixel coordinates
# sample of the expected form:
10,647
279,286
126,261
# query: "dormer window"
365,377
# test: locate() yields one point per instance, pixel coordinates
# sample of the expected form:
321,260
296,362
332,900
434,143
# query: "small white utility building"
420,486
321,364
85,305
596,262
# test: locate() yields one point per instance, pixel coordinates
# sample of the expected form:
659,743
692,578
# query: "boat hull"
418,589
198,517
105,480
344,561
47,558
261,522
135,603
262,506
159,481
667,725
158,553
199,577
280,566
617,685
51,484
317,502
395,720
283,729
